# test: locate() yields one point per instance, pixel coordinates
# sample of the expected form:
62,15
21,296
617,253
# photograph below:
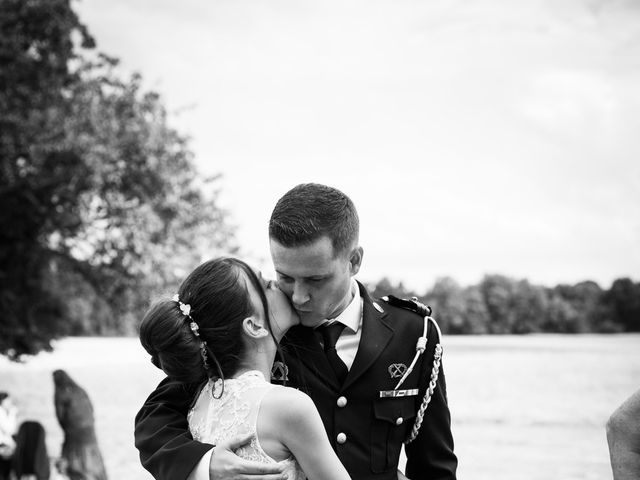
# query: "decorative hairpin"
185,308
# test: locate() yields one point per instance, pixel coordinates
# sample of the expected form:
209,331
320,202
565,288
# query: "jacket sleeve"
162,436
430,456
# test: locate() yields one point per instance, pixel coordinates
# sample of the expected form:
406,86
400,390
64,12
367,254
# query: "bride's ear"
253,328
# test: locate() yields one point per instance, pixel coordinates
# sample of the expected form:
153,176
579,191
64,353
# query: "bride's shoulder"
287,393
296,402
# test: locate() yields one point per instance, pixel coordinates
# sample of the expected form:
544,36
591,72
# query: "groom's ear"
355,260
253,328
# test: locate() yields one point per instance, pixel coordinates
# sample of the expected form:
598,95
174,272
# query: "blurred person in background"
623,437
8,429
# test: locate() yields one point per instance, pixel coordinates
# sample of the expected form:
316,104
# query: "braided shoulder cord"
424,311
435,370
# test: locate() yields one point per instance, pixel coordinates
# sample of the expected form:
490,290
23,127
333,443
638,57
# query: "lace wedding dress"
213,420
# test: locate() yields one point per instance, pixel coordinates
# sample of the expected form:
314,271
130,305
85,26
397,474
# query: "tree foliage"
623,298
503,305
101,203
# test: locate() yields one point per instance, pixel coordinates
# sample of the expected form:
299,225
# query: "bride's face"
281,315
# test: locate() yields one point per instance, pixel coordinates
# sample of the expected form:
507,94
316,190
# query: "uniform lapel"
376,334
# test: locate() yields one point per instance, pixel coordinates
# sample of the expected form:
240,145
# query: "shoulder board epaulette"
412,304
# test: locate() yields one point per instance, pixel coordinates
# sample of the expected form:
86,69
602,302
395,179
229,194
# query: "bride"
222,330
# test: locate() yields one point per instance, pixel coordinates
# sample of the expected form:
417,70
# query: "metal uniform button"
342,437
399,421
342,401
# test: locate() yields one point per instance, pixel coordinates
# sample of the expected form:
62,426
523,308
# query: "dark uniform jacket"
366,431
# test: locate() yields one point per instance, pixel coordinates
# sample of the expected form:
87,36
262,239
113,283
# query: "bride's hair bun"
215,298
165,335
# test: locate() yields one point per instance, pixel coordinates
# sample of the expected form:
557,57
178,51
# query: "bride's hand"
226,465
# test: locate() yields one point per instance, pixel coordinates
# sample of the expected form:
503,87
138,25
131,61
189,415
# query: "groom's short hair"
310,211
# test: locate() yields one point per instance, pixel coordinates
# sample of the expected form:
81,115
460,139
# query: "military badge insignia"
279,372
397,370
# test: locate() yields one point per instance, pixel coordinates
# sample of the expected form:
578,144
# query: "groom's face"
317,281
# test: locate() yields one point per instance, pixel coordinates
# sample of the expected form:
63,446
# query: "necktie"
330,334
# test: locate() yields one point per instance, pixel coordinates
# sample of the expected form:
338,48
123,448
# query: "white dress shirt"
351,318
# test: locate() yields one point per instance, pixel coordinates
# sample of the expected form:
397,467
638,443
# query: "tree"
101,200
498,292
146,219
37,181
446,298
591,313
530,306
476,317
563,317
385,287
624,300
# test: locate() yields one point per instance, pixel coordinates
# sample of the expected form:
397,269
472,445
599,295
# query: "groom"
313,234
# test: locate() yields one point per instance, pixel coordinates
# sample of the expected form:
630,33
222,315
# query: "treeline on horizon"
502,305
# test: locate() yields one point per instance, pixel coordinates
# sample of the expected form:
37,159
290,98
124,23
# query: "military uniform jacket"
366,431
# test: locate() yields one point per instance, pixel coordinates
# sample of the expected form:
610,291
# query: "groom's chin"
309,319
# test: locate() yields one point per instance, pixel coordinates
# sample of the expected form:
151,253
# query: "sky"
475,137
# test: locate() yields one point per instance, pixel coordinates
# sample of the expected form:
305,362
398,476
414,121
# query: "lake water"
523,407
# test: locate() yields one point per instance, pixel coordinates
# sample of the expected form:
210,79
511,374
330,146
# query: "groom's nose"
300,295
